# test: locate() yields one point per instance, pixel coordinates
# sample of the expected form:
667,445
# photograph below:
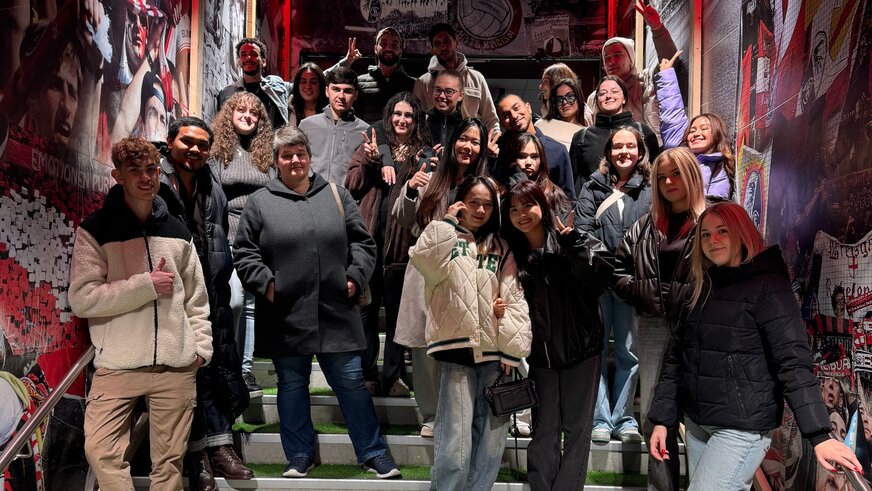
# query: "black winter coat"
739,353
224,374
586,149
637,272
214,255
562,286
300,243
374,91
611,226
442,126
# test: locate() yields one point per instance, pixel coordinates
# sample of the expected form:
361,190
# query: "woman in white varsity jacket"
469,273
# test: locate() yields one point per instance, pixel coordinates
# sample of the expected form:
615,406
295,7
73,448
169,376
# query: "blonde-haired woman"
242,161
653,273
738,352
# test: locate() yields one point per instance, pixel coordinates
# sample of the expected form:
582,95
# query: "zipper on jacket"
656,235
732,375
547,356
154,302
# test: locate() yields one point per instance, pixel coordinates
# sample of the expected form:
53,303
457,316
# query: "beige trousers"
171,396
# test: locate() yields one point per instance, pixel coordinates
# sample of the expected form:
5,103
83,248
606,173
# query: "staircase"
263,447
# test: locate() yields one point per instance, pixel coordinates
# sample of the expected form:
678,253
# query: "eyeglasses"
613,93
568,99
437,91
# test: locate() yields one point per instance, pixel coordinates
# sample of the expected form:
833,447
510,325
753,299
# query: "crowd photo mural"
804,137
76,76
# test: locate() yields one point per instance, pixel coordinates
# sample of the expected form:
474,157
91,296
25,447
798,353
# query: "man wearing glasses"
477,100
446,99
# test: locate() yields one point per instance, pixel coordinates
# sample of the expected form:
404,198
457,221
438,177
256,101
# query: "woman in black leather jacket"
738,352
563,273
652,272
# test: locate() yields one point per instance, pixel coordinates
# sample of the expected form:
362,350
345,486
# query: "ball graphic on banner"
485,19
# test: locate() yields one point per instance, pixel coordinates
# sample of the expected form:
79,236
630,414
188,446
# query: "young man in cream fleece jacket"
136,277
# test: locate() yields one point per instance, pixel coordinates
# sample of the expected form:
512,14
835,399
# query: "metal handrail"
858,482
11,451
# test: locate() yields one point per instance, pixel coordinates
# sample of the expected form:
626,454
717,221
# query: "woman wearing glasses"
565,115
588,144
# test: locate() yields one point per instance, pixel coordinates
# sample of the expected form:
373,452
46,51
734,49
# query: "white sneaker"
521,431
630,435
427,431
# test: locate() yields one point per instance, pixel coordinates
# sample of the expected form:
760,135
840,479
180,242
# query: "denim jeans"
614,408
211,426
469,439
345,377
723,458
242,304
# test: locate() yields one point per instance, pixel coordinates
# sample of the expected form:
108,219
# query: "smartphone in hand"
427,154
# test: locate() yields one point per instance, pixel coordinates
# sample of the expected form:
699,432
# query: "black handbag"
511,396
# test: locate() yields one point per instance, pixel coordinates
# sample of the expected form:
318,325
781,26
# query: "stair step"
265,373
614,456
306,484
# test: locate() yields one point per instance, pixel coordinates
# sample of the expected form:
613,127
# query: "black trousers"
566,403
394,361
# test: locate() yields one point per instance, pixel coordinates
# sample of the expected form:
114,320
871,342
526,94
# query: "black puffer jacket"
442,126
562,286
637,272
375,91
611,226
739,353
586,149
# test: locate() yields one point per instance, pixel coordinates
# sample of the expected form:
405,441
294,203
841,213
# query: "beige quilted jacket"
461,285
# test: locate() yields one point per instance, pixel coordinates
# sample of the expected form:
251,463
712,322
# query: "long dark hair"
420,133
485,235
434,201
556,197
526,257
297,101
554,111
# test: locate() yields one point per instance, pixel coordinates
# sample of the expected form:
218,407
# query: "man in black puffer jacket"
383,80
193,195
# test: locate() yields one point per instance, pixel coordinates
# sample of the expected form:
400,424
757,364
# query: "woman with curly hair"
242,161
309,95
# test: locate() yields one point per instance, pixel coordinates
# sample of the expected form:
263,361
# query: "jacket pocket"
732,375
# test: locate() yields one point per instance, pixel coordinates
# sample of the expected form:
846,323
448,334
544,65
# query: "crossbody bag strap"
338,201
612,199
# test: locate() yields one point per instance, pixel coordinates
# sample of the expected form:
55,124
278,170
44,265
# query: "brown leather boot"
226,464
200,476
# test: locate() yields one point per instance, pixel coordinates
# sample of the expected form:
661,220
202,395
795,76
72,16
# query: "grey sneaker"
427,431
298,467
383,466
601,435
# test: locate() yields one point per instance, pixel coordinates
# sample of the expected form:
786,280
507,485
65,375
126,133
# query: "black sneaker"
298,467
383,466
254,390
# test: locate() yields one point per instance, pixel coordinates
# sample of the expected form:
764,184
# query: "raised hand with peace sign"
650,14
564,229
370,147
